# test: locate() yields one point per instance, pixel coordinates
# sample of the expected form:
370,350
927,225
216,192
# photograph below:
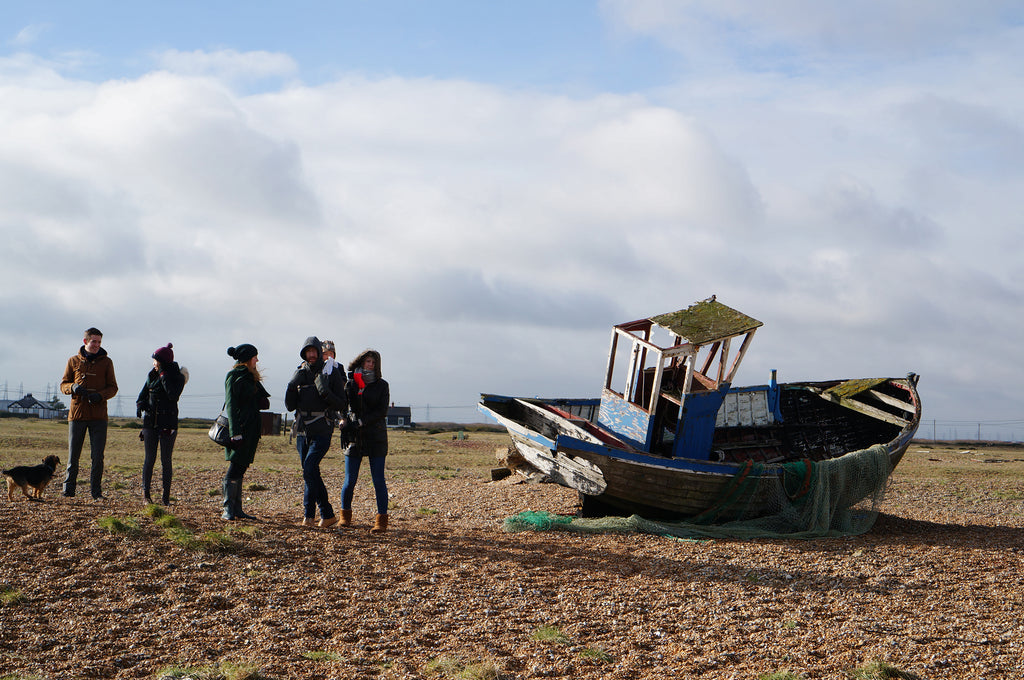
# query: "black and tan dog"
34,476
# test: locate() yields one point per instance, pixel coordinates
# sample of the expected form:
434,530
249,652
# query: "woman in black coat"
244,398
157,405
369,397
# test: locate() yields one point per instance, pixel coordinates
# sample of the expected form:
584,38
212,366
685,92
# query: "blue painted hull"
565,439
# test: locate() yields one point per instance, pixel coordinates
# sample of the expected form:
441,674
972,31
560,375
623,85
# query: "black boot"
239,513
231,491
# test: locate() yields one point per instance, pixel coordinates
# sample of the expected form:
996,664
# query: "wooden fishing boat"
670,437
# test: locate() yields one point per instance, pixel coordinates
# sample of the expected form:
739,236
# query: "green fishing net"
836,497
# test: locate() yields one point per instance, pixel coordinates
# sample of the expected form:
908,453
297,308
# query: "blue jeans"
380,487
97,430
311,451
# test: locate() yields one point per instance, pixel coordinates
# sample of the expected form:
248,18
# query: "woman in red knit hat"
157,405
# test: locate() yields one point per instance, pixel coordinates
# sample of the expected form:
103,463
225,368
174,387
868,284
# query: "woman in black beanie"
157,405
244,397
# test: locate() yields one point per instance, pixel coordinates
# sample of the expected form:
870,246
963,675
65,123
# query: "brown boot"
328,521
380,525
346,518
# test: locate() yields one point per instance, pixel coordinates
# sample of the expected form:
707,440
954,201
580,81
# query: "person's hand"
236,441
95,398
320,380
77,390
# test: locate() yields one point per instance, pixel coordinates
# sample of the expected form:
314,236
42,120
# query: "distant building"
30,406
399,416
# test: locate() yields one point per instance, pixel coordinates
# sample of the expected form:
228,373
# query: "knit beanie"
242,353
164,355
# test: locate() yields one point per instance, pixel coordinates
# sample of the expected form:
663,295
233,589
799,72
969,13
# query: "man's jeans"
311,451
97,430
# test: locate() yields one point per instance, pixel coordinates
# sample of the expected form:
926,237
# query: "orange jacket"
95,374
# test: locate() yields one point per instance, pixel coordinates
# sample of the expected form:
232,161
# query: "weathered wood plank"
861,407
892,401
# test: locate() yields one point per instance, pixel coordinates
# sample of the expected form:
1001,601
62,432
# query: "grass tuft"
322,656
9,596
183,538
596,654
216,541
250,530
550,634
154,511
168,522
457,669
115,525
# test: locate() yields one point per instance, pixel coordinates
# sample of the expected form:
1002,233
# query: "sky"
481,190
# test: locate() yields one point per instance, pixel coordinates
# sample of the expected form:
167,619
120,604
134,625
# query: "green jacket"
243,399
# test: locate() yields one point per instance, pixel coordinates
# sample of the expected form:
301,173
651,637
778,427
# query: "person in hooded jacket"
157,405
369,397
244,397
316,397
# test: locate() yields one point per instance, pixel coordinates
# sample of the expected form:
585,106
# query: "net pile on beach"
829,498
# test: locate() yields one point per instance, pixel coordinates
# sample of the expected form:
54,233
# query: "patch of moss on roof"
707,321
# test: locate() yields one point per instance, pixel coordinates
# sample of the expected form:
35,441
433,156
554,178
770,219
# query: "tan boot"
308,522
328,522
380,525
346,518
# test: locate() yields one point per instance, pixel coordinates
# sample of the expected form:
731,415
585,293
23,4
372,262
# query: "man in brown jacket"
89,379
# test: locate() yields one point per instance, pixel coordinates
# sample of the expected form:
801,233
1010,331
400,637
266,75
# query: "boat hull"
818,422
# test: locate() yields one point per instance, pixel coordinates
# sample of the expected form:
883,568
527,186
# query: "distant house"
30,406
399,416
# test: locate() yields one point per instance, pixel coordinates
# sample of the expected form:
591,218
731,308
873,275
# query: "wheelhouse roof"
706,321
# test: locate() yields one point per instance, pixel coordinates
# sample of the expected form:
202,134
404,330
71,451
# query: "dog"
35,476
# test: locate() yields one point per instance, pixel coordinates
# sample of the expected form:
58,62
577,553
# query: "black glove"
236,442
142,436
95,398
77,390
139,408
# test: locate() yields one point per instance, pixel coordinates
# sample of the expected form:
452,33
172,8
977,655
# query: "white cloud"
228,64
